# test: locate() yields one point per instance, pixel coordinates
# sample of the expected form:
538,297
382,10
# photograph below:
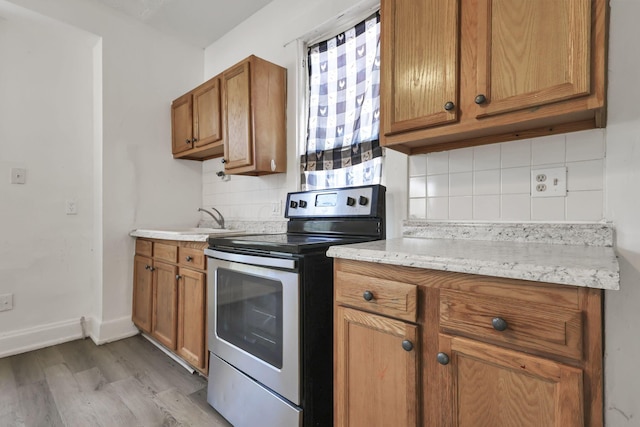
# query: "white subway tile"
461,208
437,163
418,165
461,160
486,157
418,186
585,145
461,184
516,180
516,207
486,208
438,185
548,150
585,206
515,153
418,208
548,208
486,182
587,175
438,208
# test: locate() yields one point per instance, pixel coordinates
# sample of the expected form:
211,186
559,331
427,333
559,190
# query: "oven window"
249,314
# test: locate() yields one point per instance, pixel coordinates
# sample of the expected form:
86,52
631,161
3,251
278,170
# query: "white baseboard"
38,337
111,330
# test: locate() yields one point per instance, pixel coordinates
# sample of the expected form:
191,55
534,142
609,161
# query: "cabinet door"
419,59
191,317
375,377
165,304
491,386
206,113
531,53
142,292
238,137
182,124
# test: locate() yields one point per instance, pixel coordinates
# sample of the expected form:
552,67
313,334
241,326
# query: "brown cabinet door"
492,386
375,380
191,317
182,124
419,58
142,292
531,53
238,137
207,127
165,304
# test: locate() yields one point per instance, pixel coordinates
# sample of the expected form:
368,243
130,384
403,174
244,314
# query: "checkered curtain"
343,148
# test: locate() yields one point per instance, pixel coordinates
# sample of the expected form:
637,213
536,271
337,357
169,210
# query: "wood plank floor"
125,383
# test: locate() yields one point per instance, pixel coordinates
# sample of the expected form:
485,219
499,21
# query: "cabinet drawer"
144,247
190,257
165,252
395,299
530,326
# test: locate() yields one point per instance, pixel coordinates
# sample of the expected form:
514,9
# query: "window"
342,145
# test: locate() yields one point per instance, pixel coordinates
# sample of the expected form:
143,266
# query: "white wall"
120,168
46,110
271,34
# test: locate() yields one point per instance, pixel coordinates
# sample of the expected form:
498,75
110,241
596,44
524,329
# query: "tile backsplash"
493,182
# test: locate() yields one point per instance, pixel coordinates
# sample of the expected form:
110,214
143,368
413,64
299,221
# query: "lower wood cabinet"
376,370
169,296
418,347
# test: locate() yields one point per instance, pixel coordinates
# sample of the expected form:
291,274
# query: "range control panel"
364,201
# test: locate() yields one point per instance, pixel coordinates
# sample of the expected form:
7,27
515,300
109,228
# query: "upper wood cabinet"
467,72
196,123
254,118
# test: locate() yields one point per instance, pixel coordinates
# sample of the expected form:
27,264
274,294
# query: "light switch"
18,175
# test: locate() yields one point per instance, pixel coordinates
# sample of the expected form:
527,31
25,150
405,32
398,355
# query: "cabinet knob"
147,267
223,161
188,141
443,359
194,140
189,258
449,106
499,324
367,295
151,269
480,99
407,345
178,277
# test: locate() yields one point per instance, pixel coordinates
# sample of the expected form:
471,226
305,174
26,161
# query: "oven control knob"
293,204
351,201
303,204
362,201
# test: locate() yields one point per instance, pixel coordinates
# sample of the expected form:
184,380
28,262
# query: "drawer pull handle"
367,295
443,359
499,324
407,345
189,258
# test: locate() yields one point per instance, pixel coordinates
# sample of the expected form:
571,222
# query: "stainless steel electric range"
270,309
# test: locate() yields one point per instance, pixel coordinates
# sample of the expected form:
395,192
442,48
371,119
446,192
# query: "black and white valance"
343,146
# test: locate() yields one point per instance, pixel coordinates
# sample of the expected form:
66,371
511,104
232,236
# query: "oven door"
254,318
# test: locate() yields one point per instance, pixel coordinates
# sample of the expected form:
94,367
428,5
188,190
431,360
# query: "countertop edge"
581,277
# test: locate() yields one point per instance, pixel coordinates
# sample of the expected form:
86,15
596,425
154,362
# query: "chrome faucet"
219,220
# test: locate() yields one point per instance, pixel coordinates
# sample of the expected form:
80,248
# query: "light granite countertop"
183,234
589,262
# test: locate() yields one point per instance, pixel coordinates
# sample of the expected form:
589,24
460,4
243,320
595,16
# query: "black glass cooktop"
283,242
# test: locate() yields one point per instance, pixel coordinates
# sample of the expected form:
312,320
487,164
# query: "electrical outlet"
6,302
549,182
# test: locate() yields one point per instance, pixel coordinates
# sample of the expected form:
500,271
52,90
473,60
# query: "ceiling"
198,22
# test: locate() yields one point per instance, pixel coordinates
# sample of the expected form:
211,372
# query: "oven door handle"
263,261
